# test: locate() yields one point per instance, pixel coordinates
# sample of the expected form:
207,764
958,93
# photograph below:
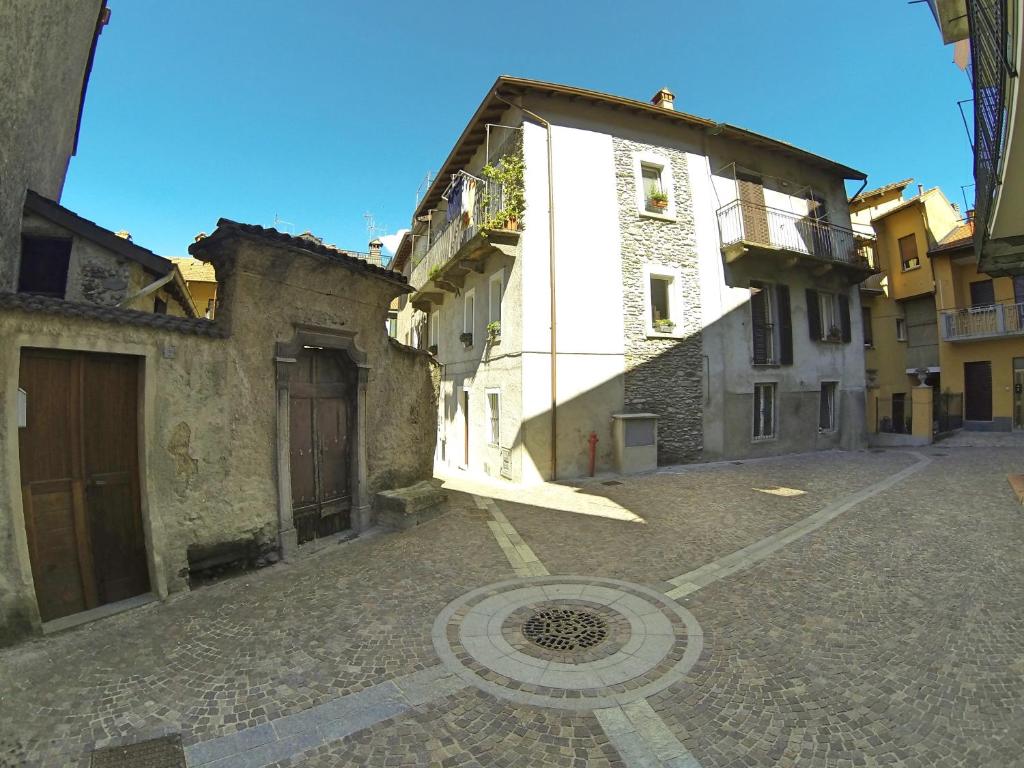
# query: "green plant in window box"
835,333
466,338
432,349
664,326
494,329
657,200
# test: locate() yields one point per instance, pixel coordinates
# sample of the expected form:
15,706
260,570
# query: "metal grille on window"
764,411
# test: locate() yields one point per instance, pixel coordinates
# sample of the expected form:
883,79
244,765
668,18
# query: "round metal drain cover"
564,629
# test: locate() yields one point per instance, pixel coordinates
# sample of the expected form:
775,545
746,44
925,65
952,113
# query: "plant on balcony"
509,173
657,200
435,273
432,349
664,326
835,333
466,338
494,330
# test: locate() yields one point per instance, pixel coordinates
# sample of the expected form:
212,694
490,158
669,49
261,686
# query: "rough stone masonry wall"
663,375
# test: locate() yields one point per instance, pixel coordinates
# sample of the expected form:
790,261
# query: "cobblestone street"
836,609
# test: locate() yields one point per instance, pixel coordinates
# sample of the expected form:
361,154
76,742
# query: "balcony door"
750,189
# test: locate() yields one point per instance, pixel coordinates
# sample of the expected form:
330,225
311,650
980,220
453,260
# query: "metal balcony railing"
992,51
446,241
989,321
742,221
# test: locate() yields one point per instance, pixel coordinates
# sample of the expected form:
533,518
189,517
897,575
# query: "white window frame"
901,323
499,278
675,300
433,333
773,387
834,415
831,301
661,162
469,317
492,438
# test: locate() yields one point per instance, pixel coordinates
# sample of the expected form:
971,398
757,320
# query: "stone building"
140,449
583,259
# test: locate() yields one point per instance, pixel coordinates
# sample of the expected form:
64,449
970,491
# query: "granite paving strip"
642,738
742,559
291,735
522,559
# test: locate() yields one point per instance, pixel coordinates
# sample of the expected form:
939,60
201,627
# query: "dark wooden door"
322,398
465,427
80,479
978,391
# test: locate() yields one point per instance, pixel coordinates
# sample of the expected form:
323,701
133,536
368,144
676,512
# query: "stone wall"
662,375
44,51
209,419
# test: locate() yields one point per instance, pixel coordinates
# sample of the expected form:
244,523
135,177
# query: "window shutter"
844,316
758,313
785,325
813,315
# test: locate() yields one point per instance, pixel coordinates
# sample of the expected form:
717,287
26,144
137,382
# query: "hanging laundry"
455,199
469,202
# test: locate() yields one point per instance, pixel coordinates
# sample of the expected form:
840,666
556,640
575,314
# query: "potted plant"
835,333
664,326
432,349
494,330
657,200
466,338
508,172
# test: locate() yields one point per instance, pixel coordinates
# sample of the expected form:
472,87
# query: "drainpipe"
551,273
154,286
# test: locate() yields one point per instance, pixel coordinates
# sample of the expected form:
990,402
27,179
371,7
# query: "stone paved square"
851,619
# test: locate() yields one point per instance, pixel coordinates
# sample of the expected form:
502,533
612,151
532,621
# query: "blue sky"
317,111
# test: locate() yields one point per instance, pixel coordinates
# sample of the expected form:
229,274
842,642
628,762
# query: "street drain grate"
612,482
165,752
564,629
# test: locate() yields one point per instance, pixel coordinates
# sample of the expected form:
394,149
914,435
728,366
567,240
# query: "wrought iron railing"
450,238
743,221
992,46
983,322
376,258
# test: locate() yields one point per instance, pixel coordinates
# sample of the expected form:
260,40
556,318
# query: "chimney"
970,214
920,189
664,99
124,234
375,246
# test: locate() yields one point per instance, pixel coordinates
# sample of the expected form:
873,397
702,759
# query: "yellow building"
981,345
202,284
900,327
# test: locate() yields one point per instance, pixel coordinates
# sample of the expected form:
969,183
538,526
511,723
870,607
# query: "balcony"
750,231
993,321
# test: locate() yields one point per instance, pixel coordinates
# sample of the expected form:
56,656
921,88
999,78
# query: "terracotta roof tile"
881,190
962,236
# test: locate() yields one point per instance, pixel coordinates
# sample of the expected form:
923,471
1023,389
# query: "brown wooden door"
80,479
978,391
755,215
322,395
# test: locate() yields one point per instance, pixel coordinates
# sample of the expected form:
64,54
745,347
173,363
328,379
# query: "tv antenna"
372,228
278,222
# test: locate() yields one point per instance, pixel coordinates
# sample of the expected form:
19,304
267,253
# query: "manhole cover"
563,629
164,752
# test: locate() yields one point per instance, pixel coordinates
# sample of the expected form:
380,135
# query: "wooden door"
322,399
1018,394
978,391
755,215
80,480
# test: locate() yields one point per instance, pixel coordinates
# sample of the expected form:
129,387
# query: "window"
908,253
435,319
468,311
44,266
982,294
828,316
869,338
827,407
764,411
392,325
901,329
771,326
663,303
159,306
494,416
653,178
494,292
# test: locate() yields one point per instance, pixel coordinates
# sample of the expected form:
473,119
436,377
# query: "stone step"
403,508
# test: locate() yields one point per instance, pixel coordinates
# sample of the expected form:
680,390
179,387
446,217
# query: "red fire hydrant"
592,441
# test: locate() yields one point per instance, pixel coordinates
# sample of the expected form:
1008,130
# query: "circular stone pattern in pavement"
568,642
